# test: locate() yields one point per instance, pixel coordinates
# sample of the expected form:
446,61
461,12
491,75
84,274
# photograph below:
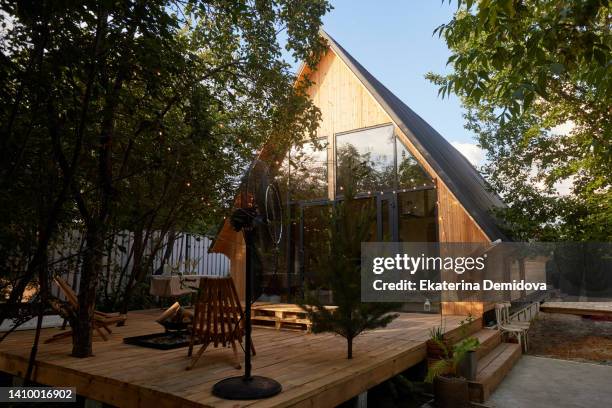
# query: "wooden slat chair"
218,318
101,320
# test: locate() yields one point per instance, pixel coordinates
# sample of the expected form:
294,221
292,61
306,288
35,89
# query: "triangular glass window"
410,174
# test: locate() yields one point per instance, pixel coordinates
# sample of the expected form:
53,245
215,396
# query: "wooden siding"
454,223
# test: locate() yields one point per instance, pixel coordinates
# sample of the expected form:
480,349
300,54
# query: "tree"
137,115
350,224
535,77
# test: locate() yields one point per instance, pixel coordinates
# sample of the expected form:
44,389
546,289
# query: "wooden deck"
312,368
603,309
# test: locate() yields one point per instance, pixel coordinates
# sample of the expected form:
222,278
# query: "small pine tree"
350,224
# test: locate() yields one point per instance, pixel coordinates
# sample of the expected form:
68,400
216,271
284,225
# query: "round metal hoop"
274,221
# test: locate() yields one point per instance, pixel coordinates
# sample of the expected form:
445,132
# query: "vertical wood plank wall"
346,105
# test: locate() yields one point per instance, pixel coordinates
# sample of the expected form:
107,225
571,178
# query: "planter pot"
435,351
451,392
468,366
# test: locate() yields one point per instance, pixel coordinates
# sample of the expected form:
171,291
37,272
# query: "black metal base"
240,388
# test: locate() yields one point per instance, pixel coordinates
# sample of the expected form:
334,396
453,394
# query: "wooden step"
492,368
489,339
459,333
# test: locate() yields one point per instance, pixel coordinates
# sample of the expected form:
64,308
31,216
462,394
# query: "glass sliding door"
416,212
314,242
386,217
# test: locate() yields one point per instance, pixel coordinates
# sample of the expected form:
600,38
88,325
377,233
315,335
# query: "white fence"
188,255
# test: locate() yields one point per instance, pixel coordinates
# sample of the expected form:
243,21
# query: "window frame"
395,187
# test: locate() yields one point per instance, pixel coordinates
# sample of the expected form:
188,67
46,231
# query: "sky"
393,40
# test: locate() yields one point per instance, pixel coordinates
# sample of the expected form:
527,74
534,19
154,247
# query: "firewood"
169,313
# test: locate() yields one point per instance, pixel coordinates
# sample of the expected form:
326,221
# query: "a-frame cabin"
434,193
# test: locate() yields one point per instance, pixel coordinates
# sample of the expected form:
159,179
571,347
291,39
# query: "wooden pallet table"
282,316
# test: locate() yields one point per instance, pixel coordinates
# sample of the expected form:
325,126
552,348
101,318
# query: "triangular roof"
450,165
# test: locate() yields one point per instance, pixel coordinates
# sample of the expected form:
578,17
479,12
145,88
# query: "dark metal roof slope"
451,166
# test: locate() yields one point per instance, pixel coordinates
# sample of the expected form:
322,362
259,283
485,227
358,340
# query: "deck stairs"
495,357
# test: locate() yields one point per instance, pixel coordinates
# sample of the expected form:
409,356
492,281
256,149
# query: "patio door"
386,217
313,239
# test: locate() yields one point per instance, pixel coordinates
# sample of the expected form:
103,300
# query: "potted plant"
450,387
436,336
469,363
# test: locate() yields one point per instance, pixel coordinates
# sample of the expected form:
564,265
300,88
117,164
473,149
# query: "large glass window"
375,159
304,172
365,160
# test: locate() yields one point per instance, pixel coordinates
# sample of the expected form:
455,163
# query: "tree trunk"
92,262
138,247
167,252
43,295
96,220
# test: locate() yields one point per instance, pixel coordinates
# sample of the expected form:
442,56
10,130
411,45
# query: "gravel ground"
571,337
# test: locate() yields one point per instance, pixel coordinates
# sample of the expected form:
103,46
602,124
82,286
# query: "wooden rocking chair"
101,320
218,319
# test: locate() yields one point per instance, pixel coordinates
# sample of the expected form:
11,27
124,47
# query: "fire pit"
176,322
174,326
161,341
